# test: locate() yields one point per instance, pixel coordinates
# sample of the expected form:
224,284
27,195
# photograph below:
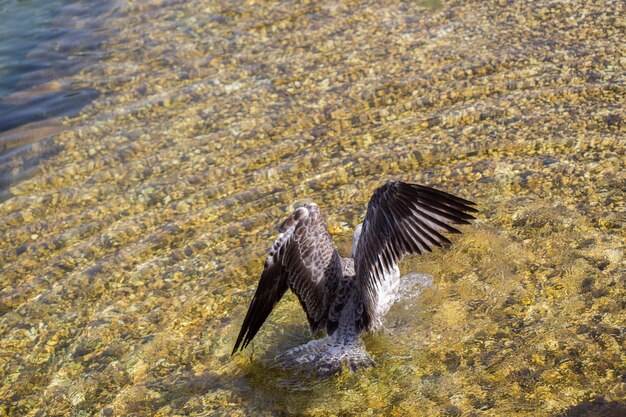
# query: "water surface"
43,45
130,256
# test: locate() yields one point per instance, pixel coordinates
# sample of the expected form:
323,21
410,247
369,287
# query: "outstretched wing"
302,258
402,218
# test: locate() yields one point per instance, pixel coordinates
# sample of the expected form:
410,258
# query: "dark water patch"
42,41
23,26
20,163
63,103
43,44
596,408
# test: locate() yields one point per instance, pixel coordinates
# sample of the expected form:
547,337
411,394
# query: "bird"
344,297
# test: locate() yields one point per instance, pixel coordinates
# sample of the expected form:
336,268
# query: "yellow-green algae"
128,260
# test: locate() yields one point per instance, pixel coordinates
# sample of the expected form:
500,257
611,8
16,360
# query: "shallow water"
131,254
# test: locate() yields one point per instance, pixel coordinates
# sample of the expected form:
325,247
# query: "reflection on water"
43,41
130,255
23,26
42,44
44,106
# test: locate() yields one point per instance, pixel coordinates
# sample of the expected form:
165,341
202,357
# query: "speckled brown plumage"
401,219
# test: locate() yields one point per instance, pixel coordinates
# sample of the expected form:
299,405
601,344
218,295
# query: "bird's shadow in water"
177,391
596,408
267,386
252,389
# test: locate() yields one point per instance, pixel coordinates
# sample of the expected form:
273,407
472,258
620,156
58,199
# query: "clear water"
130,255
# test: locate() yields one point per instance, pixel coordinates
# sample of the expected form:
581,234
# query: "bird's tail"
326,357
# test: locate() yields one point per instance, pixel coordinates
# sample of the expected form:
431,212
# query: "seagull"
346,297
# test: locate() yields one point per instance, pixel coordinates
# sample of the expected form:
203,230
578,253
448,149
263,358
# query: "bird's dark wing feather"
401,219
302,258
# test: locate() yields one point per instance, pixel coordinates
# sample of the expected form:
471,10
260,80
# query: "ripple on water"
37,90
130,255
